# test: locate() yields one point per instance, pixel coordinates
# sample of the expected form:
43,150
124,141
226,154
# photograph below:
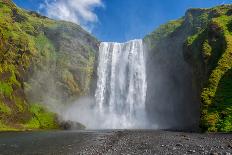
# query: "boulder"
71,125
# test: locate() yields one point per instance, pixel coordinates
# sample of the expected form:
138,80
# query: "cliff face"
191,58
209,51
42,62
172,101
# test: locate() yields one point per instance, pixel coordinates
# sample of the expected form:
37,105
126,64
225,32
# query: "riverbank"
114,142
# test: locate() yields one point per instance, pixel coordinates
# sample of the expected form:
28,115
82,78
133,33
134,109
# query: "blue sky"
117,20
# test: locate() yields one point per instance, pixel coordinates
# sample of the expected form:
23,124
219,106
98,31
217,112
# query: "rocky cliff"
192,58
43,61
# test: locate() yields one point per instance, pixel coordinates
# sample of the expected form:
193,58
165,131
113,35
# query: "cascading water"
121,86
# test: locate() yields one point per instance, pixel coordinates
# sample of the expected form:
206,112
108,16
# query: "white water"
121,86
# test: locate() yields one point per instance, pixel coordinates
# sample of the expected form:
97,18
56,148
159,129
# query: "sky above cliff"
117,20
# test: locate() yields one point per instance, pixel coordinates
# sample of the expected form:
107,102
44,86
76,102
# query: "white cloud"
77,11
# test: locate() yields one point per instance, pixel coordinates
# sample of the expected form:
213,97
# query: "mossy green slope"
38,53
212,49
207,47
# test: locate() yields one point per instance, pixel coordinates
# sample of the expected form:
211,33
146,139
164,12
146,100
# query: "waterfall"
121,86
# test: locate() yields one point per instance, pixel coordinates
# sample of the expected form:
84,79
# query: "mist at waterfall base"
121,90
137,88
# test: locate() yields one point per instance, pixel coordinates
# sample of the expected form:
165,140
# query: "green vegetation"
162,32
4,127
35,56
211,49
207,47
41,119
4,109
6,89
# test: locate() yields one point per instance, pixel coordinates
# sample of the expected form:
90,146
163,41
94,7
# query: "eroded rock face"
69,70
172,101
188,67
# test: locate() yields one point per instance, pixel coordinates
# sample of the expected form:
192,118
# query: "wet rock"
70,125
179,144
230,145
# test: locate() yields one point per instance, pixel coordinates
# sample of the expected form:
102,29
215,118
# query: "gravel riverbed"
114,142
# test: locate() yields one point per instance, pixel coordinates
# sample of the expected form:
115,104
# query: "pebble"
187,138
179,144
200,146
14,145
230,146
191,151
214,153
206,152
174,148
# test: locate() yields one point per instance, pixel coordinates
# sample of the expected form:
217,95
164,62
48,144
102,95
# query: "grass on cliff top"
162,32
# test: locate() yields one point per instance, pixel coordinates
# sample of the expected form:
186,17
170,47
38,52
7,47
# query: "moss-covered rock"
37,56
205,38
214,61
41,119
